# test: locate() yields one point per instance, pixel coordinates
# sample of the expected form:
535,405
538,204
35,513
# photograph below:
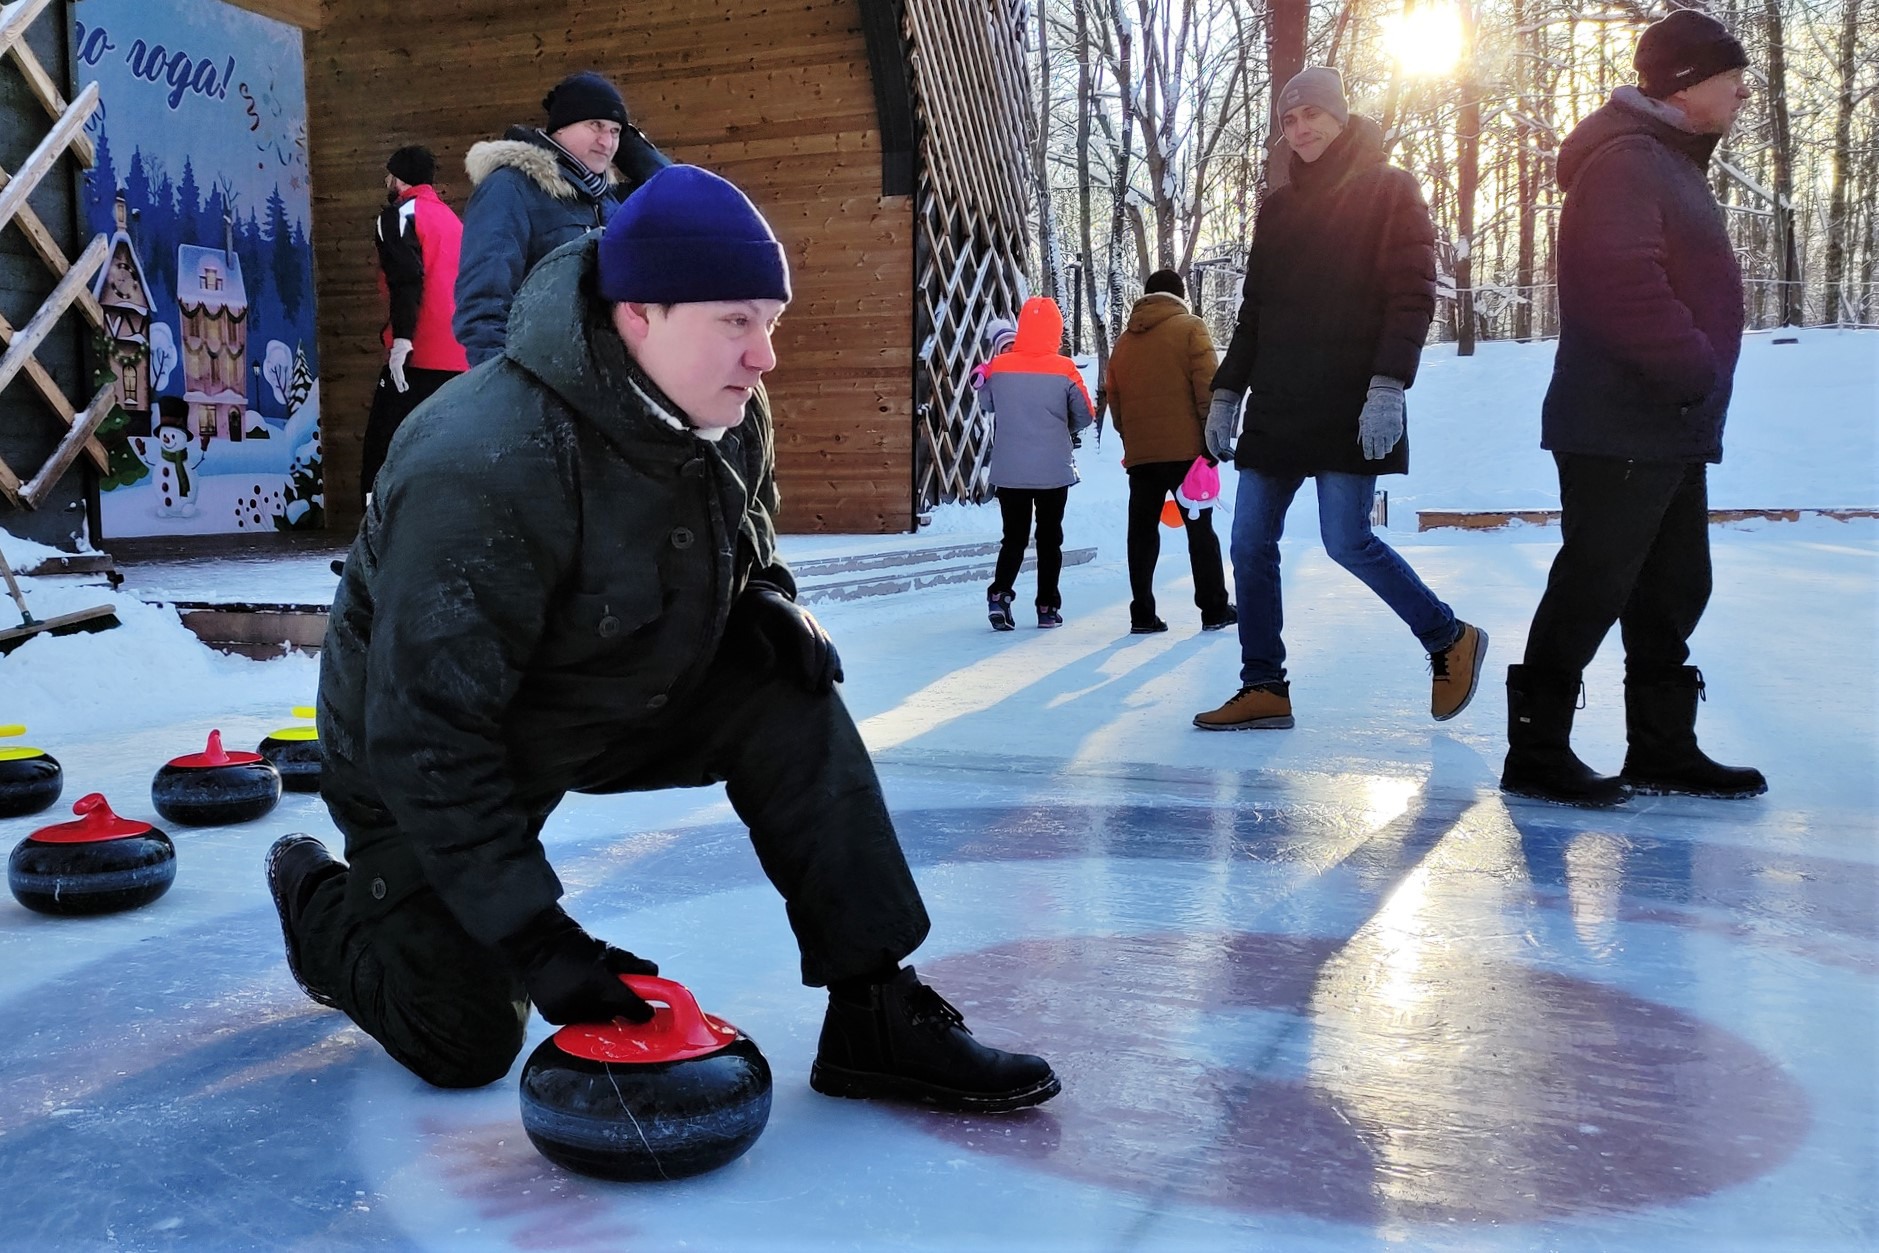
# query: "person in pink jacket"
419,239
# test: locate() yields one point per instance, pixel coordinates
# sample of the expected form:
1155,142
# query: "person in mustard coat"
1160,386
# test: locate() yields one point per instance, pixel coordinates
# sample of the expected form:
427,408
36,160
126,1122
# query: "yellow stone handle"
14,728
304,711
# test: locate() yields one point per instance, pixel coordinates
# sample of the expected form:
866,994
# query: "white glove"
400,350
1223,423
1380,425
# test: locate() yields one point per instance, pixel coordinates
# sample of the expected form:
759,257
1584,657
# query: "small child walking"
1038,403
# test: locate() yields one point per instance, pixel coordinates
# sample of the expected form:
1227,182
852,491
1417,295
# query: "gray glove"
1223,423
1380,426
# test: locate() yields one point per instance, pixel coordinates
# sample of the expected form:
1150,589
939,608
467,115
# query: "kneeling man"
568,581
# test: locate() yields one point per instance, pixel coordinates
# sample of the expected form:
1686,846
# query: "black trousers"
1016,505
453,1011
390,407
1635,551
1149,485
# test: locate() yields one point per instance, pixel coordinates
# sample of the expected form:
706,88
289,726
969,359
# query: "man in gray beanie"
1339,293
1650,303
568,581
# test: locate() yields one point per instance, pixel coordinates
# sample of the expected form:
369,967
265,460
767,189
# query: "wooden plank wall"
777,99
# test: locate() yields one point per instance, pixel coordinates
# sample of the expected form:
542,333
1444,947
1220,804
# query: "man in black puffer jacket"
1650,326
568,581
1339,293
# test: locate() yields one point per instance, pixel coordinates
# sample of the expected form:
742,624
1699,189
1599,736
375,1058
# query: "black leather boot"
1540,761
295,866
1661,756
906,1043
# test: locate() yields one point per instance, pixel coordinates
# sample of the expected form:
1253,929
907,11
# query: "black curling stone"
295,752
680,1095
215,787
30,778
100,864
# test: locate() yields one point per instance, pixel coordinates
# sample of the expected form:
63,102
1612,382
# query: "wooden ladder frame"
74,285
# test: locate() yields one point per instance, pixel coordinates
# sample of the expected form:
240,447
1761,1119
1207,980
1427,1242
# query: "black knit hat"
1165,281
1683,50
583,97
413,164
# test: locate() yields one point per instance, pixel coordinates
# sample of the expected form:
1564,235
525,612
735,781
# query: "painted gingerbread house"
214,304
123,293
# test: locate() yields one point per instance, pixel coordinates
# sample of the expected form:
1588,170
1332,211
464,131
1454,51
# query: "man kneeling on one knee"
568,581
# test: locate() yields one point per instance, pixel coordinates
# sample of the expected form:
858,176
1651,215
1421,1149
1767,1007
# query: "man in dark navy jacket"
1650,326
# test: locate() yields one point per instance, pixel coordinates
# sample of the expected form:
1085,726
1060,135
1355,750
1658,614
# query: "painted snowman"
173,460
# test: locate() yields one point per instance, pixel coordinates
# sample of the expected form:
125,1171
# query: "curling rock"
215,787
295,752
680,1095
30,778
100,864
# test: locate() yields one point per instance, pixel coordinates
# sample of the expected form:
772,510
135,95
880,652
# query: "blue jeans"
1344,522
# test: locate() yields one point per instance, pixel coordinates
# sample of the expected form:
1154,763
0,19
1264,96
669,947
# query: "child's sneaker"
998,609
1049,616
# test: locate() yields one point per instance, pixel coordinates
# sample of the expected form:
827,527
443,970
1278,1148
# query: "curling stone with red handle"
215,787
100,864
680,1095
30,778
295,752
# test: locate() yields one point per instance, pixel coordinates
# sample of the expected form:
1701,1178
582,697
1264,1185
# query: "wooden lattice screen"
971,249
74,278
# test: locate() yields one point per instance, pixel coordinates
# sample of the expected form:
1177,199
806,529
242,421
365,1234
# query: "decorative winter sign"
201,187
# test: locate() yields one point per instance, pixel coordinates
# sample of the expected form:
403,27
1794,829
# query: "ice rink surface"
1314,989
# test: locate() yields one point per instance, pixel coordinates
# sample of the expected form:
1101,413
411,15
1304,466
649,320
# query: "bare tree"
1040,166
1781,146
1838,217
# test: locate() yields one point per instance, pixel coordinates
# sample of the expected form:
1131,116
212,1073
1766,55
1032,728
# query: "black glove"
573,977
770,630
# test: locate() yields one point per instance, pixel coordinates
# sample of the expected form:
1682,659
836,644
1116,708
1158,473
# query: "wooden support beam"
49,389
305,14
84,426
16,17
47,154
34,333
50,96
10,486
54,256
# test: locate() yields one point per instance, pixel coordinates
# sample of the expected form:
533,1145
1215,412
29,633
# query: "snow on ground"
1315,989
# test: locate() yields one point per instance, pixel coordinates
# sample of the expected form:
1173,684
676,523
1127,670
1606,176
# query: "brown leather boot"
1456,671
1259,706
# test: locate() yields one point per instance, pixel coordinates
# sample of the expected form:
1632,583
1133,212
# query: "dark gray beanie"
1318,85
1683,50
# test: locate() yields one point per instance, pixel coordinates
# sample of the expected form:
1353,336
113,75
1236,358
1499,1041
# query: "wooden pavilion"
886,140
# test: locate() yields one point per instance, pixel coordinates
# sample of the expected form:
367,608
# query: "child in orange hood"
1038,403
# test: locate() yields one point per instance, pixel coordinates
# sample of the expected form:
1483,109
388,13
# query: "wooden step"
1493,519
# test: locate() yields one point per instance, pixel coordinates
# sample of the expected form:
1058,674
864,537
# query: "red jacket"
419,239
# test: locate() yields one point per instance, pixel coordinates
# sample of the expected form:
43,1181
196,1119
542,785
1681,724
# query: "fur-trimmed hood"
526,151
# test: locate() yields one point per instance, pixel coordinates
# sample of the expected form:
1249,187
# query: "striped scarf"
596,186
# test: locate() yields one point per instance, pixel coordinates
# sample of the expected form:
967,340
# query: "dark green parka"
546,566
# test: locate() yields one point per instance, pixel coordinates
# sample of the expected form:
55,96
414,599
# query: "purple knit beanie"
687,236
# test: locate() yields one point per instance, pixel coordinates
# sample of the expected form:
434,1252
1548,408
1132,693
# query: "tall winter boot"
1540,761
1661,757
